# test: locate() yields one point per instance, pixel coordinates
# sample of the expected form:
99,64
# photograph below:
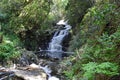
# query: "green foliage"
26,19
97,43
105,68
106,50
11,8
94,23
100,14
58,9
9,48
89,70
31,16
70,74
100,58
74,71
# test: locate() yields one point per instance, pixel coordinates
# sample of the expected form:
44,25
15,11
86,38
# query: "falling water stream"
55,46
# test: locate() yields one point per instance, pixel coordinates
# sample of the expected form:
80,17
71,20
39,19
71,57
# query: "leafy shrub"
9,48
105,68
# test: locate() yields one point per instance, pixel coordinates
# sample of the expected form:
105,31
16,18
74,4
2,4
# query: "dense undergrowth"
9,48
97,44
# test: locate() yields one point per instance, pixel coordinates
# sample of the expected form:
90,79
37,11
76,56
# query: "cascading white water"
48,72
55,46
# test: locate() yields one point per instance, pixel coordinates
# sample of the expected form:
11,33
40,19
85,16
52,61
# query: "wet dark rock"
66,41
57,67
27,58
1,38
52,55
117,77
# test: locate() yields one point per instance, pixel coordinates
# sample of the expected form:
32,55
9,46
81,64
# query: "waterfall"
55,46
